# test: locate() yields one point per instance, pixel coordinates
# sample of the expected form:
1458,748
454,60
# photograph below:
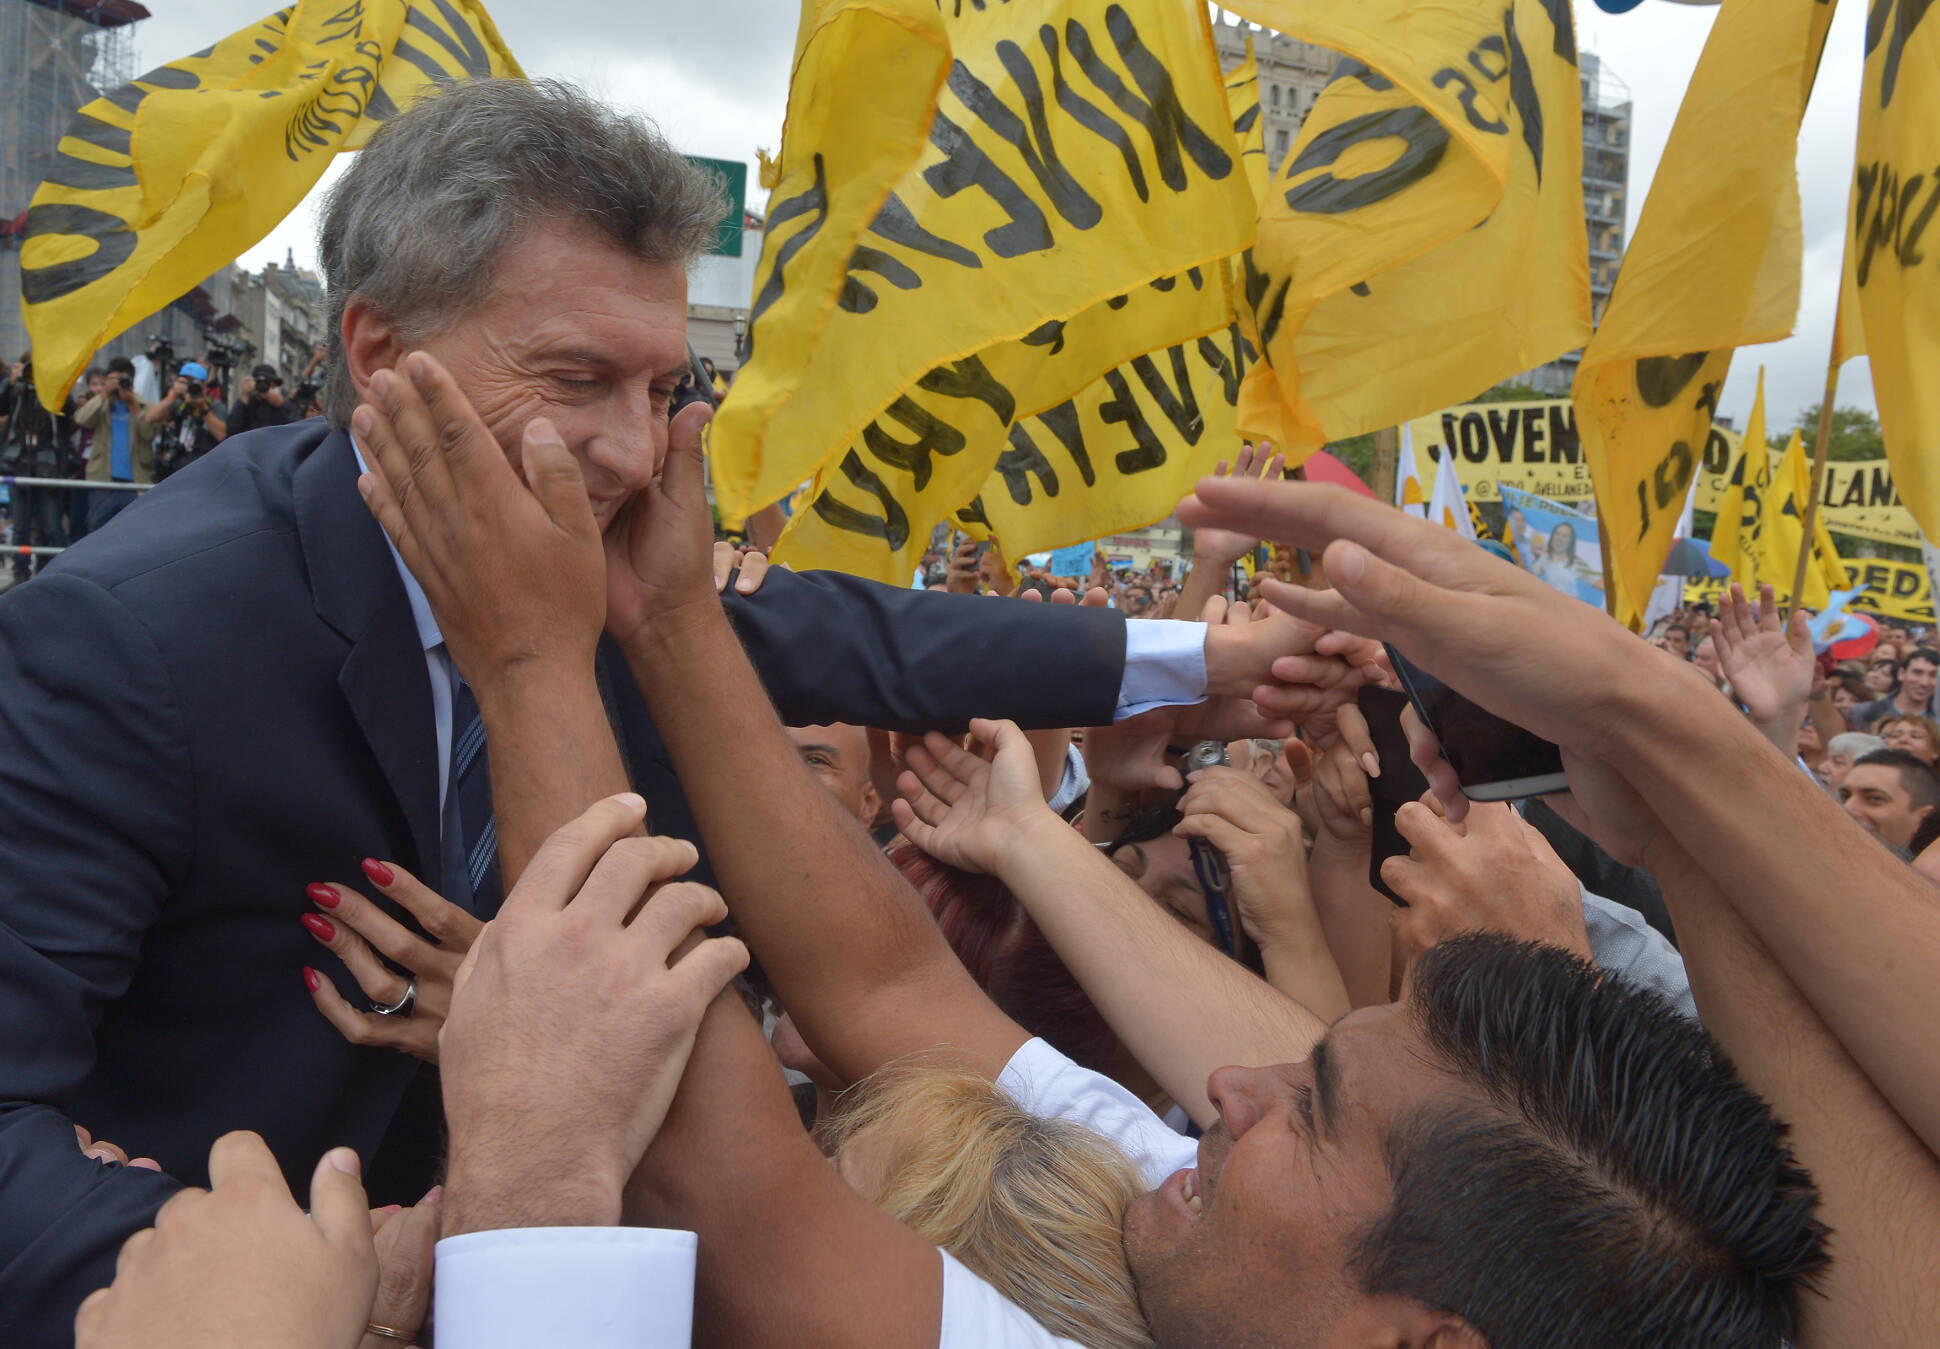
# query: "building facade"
1292,74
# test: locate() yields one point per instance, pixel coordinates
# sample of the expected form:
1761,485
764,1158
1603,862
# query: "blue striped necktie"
471,833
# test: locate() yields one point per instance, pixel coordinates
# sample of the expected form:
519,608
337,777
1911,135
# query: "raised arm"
1879,1187
1855,930
1181,1007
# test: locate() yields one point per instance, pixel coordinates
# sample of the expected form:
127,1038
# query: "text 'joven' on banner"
171,176
1714,265
1074,184
1889,305
1426,236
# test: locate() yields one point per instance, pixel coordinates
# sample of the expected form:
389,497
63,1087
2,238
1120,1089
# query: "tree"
1854,433
1511,391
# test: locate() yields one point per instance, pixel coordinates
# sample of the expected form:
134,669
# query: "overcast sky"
715,77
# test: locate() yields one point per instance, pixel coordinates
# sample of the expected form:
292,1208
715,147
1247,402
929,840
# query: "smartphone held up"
1495,760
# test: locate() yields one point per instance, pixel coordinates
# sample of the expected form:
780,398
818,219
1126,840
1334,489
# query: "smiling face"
1262,1231
574,329
1875,795
1917,679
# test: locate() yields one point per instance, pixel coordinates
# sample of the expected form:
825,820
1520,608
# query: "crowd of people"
126,422
747,957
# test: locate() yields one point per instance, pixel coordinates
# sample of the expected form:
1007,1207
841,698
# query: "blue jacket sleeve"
835,648
90,843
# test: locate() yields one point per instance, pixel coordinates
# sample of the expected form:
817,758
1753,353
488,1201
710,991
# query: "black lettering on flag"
1717,452
1063,422
1033,143
114,241
856,296
892,526
462,43
1425,141
1474,442
1176,400
971,378
70,171
1230,367
812,200
1533,427
966,165
1047,334
934,436
1266,316
1146,452
1159,111
1492,45
1905,16
895,223
1089,115
1023,459
1660,379
1522,93
1478,119
101,135
1563,22
1889,215
1349,68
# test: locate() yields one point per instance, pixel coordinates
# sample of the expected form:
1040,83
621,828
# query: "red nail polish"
322,894
320,927
378,872
312,978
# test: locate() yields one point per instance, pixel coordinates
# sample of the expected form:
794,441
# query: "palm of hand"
1766,673
1221,547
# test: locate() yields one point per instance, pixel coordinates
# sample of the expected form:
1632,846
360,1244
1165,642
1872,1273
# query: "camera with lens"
161,349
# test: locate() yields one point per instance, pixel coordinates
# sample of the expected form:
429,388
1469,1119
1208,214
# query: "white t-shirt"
1050,1086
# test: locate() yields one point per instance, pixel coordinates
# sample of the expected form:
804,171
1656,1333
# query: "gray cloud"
715,78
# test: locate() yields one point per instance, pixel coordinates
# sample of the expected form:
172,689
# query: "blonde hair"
1031,1206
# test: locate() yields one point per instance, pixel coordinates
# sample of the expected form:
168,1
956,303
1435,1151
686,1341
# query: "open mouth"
1181,1190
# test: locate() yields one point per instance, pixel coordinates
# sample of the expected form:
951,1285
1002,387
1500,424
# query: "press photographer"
263,402
35,444
187,423
124,441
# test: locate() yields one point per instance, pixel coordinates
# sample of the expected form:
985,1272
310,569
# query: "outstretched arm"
1181,1007
1879,1187
851,950
1851,926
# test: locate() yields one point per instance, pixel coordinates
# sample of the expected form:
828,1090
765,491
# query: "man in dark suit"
235,689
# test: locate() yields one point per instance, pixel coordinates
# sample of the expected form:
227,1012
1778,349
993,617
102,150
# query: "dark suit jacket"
220,698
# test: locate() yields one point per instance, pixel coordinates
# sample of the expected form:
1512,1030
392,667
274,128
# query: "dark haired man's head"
838,756
1918,674
1525,1154
1677,641
121,365
1890,792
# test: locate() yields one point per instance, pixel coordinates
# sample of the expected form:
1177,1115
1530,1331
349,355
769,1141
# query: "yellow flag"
1426,236
1893,589
1073,183
1737,537
1784,533
1890,300
1714,265
174,174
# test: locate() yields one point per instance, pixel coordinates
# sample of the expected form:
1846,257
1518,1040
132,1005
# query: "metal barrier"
9,480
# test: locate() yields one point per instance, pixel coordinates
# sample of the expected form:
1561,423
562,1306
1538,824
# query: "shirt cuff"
590,1287
1165,665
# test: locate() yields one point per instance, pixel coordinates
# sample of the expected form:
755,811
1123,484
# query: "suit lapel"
357,591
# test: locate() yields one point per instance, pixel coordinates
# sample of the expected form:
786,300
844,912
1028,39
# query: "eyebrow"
820,749
1326,1084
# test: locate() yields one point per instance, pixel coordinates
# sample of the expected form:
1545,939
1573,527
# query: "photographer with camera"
124,441
263,402
35,444
187,424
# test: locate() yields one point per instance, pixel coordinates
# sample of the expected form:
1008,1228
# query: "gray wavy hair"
417,224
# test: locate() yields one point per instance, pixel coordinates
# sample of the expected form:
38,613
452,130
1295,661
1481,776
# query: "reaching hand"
965,811
103,1151
1494,872
572,1020
1450,606
512,569
1770,665
657,550
1264,848
356,931
1341,773
748,566
966,569
1220,548
241,1263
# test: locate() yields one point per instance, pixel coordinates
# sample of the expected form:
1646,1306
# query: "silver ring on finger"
403,1006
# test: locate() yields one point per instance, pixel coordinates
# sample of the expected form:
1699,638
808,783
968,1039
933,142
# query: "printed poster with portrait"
1557,544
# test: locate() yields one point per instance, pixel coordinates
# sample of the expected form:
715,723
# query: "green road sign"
732,176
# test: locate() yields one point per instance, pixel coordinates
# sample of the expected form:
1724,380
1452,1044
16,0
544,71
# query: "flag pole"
1818,470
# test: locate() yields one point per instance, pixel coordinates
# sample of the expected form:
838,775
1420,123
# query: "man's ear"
1391,1321
371,343
871,803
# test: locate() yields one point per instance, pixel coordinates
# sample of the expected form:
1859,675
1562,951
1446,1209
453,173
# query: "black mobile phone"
1400,781
1496,760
